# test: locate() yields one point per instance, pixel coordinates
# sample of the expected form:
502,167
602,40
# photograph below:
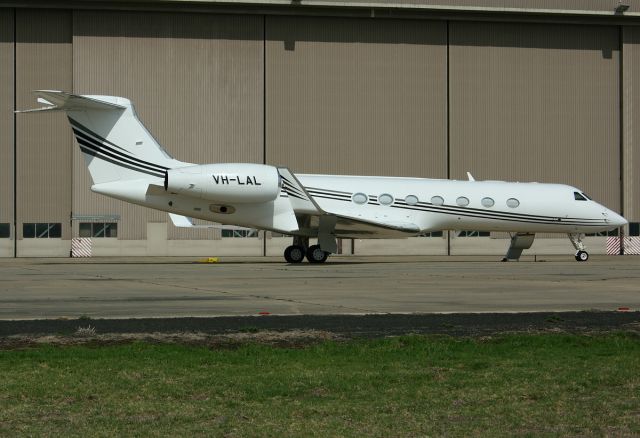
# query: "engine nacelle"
227,182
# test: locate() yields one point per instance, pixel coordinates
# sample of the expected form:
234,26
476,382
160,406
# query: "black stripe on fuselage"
476,213
98,155
479,215
79,129
132,164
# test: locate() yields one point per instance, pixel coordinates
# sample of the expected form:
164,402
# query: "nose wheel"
576,240
582,256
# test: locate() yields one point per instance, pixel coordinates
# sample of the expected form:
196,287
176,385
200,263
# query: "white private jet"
127,163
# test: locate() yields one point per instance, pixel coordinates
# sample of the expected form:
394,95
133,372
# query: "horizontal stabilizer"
62,101
181,221
187,222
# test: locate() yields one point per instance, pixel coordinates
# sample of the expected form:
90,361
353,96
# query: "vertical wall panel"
631,133
6,116
196,81
356,96
536,102
43,61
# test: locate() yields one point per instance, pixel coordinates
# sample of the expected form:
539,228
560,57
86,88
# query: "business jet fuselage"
126,162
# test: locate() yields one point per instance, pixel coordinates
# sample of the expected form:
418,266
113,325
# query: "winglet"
62,101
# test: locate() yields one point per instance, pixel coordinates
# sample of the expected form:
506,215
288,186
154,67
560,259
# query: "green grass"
514,385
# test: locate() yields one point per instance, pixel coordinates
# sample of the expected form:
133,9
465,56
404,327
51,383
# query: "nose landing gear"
576,240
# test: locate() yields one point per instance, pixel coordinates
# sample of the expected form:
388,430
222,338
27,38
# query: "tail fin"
115,144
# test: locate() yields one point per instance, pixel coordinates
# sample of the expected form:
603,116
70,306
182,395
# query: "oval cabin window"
462,201
487,202
437,200
359,198
513,203
385,199
411,200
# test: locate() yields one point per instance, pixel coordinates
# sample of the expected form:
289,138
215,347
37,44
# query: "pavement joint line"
264,297
198,289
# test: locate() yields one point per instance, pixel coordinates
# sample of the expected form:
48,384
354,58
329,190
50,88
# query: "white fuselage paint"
542,207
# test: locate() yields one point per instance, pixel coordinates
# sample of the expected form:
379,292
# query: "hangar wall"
6,131
43,179
432,98
536,102
357,96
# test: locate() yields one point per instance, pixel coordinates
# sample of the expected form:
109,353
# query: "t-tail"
115,144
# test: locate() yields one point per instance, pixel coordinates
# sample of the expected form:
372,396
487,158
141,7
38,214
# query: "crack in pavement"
232,294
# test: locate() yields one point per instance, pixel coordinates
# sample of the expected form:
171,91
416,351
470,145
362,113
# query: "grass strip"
511,385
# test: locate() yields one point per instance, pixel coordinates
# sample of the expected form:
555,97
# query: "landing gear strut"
576,240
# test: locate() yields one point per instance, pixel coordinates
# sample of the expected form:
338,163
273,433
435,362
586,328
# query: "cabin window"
98,229
359,198
513,203
462,201
411,200
437,200
41,230
487,202
385,199
578,197
5,230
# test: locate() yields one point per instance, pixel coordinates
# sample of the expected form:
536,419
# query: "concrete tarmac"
174,287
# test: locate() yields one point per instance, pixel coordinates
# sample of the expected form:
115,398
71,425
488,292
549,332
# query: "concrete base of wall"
157,244
43,248
6,247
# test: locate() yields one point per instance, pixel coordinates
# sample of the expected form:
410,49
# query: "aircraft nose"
614,218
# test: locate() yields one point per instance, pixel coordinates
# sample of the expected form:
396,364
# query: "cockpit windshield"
587,196
579,196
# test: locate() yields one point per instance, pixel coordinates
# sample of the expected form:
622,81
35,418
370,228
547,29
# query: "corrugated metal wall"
43,61
6,115
354,96
631,111
534,102
196,81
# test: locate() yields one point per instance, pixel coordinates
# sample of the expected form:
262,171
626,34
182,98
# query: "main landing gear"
301,249
576,240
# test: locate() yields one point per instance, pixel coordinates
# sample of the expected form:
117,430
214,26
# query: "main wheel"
294,254
582,256
316,255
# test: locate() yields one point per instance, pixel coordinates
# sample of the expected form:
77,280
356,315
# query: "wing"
355,228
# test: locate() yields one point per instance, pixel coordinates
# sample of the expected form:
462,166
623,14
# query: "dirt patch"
288,339
301,330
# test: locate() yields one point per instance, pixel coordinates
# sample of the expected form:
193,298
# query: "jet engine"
227,182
